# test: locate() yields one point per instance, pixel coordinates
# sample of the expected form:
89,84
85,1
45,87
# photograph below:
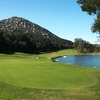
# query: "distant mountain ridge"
19,34
18,24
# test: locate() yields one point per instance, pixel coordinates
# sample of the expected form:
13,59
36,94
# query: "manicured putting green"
38,71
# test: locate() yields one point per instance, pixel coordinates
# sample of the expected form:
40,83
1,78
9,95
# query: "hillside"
18,34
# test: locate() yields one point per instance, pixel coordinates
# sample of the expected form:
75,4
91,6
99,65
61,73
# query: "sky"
63,18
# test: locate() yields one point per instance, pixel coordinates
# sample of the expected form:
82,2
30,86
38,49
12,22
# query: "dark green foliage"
96,25
96,47
85,47
92,7
20,35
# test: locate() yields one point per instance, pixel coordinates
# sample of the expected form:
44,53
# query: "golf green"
37,71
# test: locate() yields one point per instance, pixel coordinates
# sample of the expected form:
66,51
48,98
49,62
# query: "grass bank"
36,77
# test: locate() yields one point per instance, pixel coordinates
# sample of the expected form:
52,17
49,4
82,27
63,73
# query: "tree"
79,44
83,46
92,7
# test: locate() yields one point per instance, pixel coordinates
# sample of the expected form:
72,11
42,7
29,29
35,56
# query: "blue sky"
64,18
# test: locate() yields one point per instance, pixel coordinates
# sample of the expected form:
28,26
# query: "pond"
81,60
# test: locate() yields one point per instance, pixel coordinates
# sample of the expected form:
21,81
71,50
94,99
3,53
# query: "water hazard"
81,60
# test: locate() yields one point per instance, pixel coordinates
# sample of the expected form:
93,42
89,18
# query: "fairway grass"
36,77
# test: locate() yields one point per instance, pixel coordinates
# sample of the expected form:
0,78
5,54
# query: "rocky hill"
19,34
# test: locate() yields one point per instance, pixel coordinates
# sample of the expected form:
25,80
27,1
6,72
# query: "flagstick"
37,58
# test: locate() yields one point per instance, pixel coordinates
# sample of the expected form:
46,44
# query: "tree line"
17,42
30,43
85,47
